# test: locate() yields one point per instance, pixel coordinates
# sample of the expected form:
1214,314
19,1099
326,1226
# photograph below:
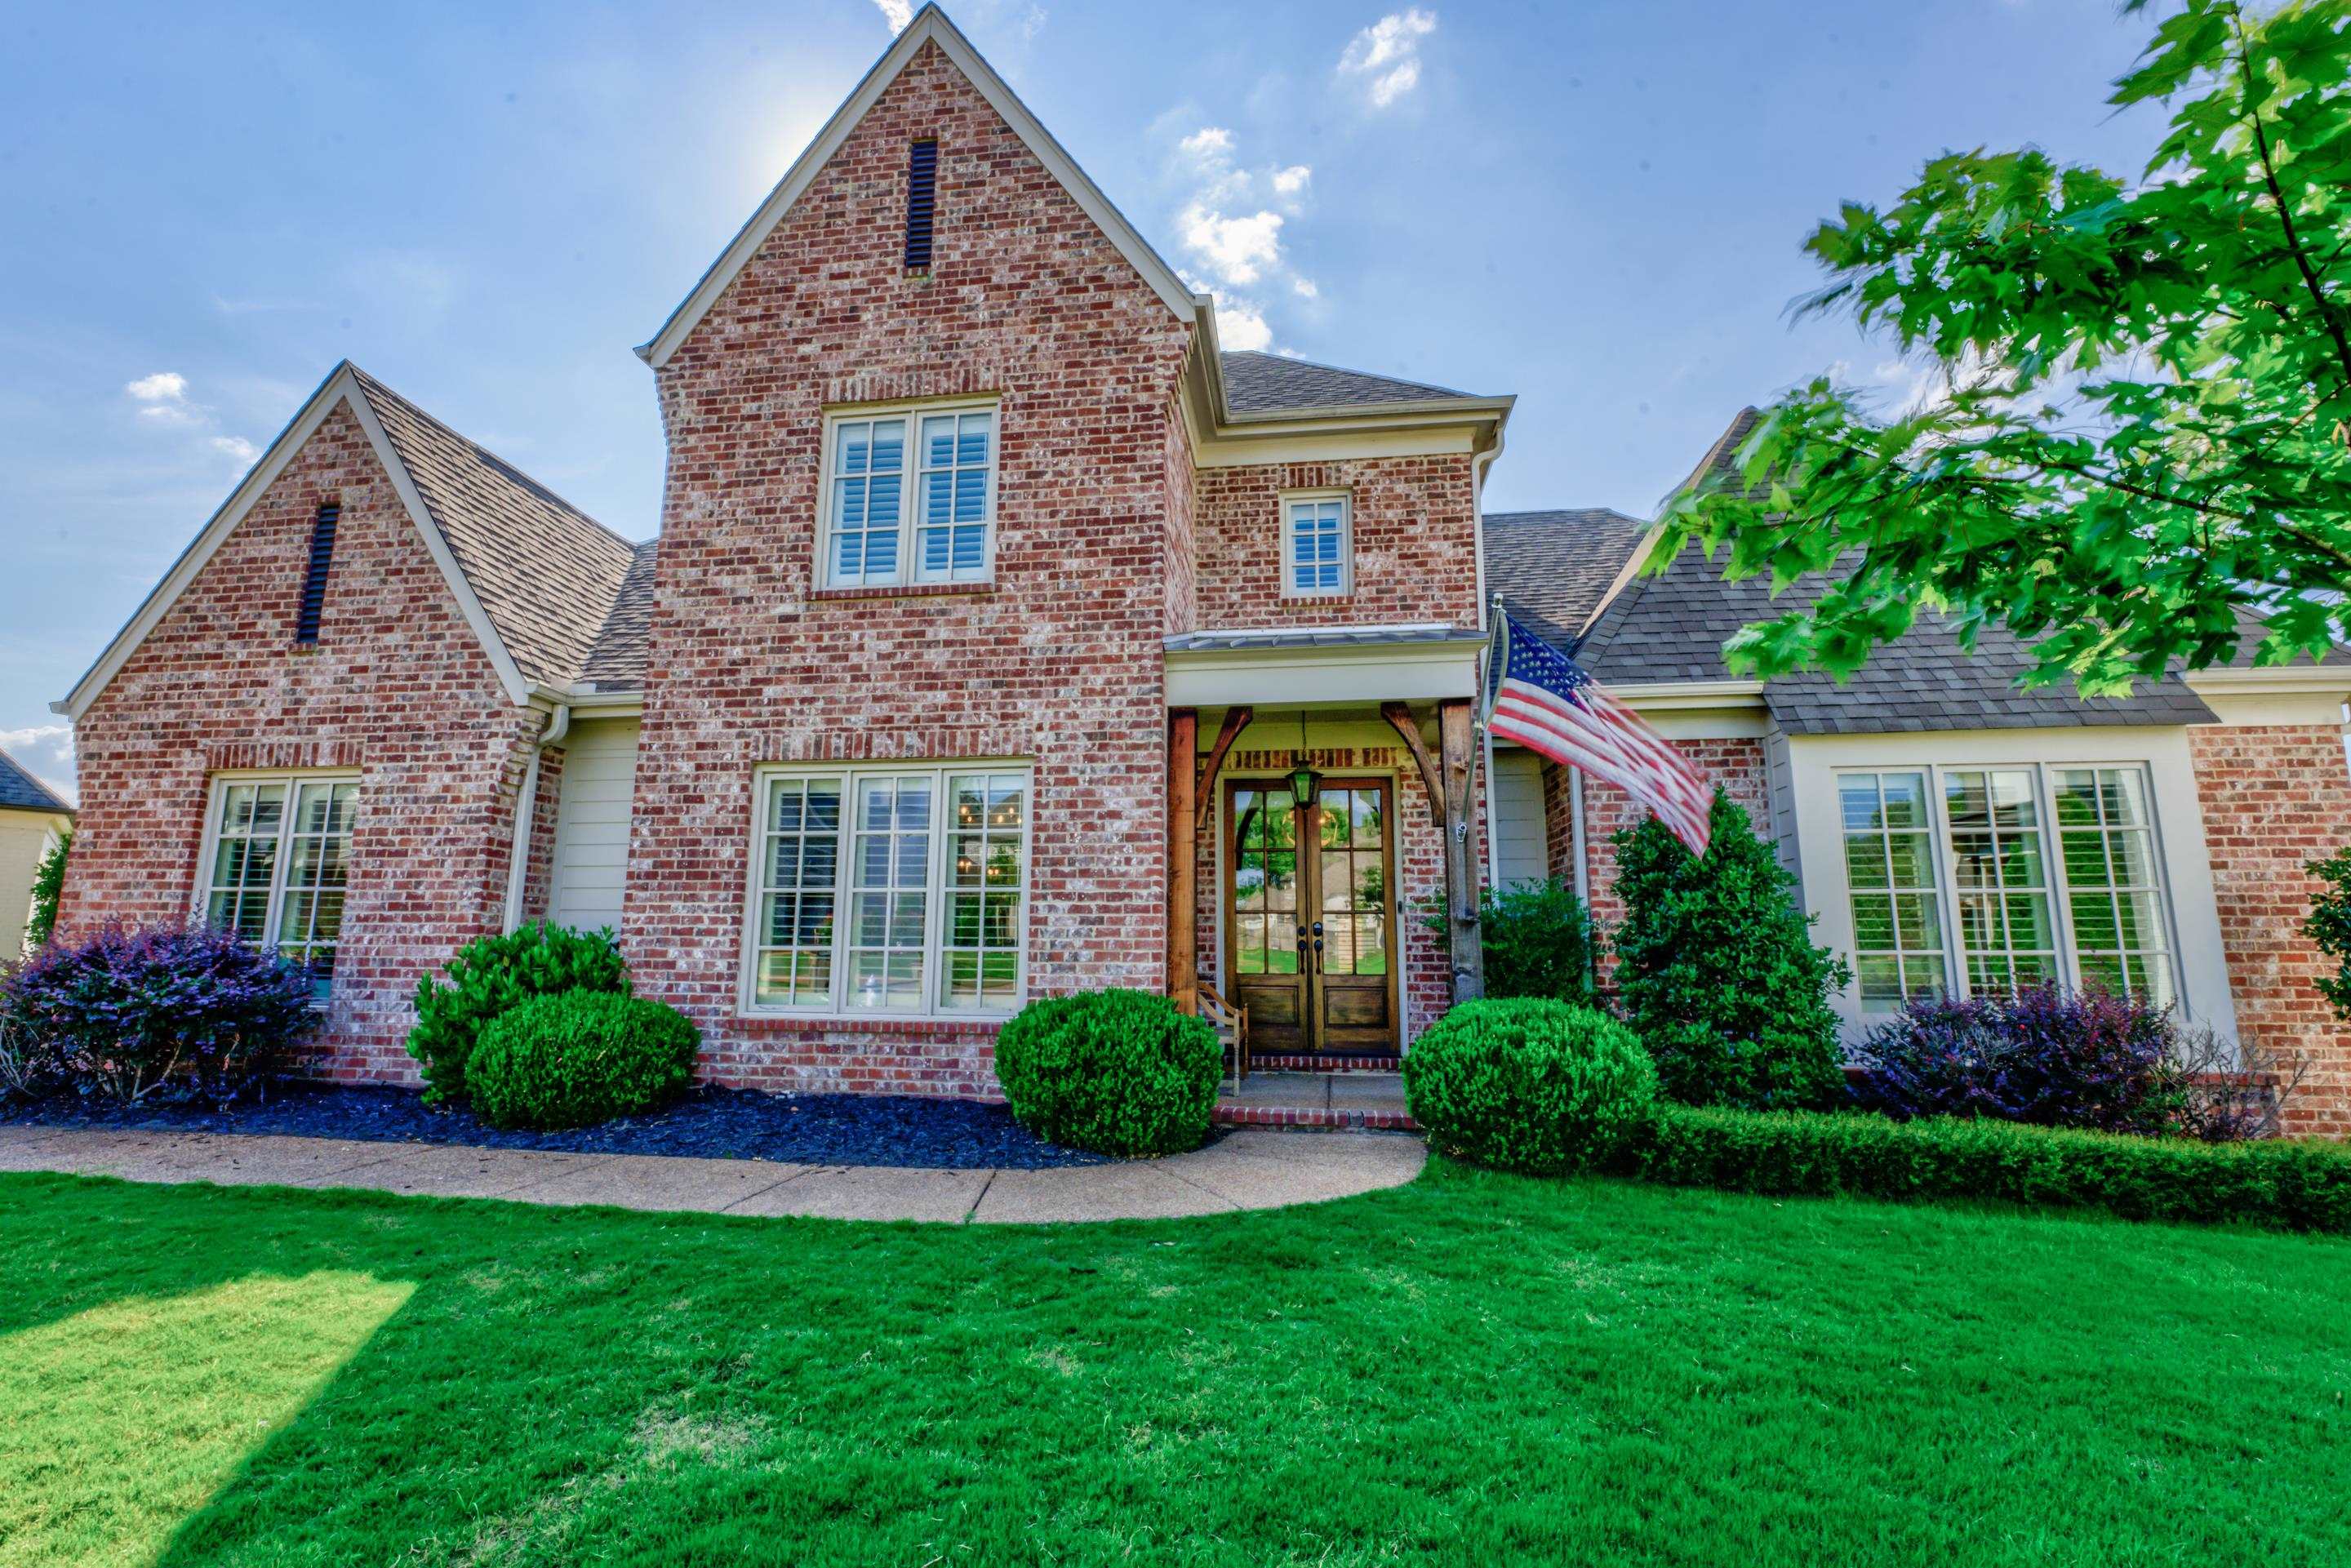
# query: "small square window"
1318,552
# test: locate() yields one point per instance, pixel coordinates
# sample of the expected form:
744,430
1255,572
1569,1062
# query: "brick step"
1313,1119
1312,1063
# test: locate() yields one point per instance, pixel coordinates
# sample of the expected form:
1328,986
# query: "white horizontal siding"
1519,844
592,824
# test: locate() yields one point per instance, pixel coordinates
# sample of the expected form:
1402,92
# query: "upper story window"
1971,879
1318,554
277,863
910,496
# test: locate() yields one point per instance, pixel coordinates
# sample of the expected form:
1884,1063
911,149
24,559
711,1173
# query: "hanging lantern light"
1305,784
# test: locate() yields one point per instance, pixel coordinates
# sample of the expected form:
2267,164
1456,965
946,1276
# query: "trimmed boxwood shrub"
165,1012
1543,1087
1116,1071
578,1058
2281,1185
491,974
1718,974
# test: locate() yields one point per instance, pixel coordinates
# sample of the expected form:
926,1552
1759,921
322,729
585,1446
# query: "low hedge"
2277,1184
578,1058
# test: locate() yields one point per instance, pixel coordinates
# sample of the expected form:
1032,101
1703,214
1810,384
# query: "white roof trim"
930,25
342,386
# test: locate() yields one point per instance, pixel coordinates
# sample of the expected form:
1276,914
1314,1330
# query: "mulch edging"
710,1123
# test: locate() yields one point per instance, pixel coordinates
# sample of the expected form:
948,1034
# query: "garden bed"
710,1123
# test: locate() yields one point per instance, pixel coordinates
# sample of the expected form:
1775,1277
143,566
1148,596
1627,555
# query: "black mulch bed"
710,1123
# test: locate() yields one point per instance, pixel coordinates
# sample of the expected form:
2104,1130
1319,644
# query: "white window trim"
908,574
1282,541
2198,958
934,890
200,898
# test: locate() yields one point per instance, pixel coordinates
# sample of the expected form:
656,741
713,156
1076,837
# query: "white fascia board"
340,386
1323,676
1663,697
930,25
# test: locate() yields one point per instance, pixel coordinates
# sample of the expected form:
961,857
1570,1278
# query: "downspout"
518,863
1477,467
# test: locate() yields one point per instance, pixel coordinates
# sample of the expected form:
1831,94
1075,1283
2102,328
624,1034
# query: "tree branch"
2310,280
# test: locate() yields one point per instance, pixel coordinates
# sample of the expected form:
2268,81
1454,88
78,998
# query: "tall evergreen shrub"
2330,926
1718,973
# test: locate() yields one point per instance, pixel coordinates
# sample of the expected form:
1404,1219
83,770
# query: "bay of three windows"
1965,880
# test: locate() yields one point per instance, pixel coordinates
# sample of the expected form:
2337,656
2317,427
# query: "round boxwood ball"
576,1058
1543,1087
1118,1072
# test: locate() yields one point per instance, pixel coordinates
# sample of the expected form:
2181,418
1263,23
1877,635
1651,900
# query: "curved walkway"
1243,1170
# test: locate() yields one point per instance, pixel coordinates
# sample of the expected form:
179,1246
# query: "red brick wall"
1183,541
1736,765
397,686
1059,662
1415,542
538,875
2273,800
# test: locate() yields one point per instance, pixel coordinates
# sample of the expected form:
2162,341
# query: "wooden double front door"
1309,915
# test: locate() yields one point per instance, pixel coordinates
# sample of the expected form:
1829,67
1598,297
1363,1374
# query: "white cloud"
47,749
1304,289
164,386
1384,58
236,446
1290,181
1236,249
897,13
1241,326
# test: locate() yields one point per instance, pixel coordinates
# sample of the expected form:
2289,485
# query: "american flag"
1545,702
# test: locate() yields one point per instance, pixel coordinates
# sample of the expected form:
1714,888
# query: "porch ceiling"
1323,666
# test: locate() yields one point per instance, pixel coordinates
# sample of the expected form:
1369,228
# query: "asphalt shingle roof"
616,662
1552,568
547,573
20,792
1269,383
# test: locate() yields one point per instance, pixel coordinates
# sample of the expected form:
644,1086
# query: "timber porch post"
1457,745
1183,863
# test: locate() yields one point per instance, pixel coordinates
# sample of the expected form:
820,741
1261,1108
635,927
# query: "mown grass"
1473,1369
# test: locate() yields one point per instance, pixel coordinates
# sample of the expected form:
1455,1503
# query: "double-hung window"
277,863
910,497
1964,880
1318,556
889,889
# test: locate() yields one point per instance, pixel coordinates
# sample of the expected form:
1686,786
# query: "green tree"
2144,428
2329,926
1717,971
48,886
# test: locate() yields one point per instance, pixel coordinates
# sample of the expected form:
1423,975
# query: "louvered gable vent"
922,196
314,580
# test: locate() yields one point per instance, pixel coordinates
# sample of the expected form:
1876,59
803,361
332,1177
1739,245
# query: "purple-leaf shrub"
2049,1057
127,1014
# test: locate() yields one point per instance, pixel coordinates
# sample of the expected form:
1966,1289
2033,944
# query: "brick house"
994,615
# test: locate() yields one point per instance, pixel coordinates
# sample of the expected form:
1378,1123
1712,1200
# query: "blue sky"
1594,205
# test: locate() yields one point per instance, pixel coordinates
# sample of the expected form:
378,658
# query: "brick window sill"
901,590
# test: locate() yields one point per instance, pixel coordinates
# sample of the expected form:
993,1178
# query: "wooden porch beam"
1457,741
1237,719
1182,868
1400,720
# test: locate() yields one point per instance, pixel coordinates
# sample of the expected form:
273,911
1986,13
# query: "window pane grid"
2000,869
951,535
910,497
881,891
799,874
1899,950
1265,882
1316,544
987,817
2113,895
280,867
869,468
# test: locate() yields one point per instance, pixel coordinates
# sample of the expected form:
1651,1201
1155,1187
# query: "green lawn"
1473,1369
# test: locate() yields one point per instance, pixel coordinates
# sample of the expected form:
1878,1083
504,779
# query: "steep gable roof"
545,572
20,792
534,576
1553,569
930,25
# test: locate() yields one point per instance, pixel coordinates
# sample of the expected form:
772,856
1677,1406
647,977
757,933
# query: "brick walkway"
1242,1170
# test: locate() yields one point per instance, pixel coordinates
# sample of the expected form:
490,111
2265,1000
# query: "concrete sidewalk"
1243,1170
